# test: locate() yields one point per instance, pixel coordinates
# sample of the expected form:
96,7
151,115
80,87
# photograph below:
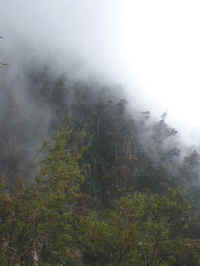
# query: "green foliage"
37,220
160,221
50,222
146,229
99,198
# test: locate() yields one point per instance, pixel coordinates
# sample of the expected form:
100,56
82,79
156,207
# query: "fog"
152,47
160,41
62,32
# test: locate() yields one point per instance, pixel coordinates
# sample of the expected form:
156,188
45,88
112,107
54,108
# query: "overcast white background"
151,45
161,42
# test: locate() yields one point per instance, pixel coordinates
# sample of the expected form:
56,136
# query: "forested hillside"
87,181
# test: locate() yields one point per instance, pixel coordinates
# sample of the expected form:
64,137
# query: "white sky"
161,48
154,45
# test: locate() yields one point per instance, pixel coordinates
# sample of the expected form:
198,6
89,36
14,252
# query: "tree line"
104,191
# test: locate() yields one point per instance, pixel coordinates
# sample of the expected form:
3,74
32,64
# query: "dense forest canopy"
86,181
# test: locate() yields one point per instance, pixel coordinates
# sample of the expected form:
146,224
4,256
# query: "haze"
161,41
151,46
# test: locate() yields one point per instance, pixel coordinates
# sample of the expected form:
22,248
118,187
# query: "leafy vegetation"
110,189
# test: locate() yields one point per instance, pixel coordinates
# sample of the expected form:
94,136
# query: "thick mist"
61,33
49,44
111,40
160,43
